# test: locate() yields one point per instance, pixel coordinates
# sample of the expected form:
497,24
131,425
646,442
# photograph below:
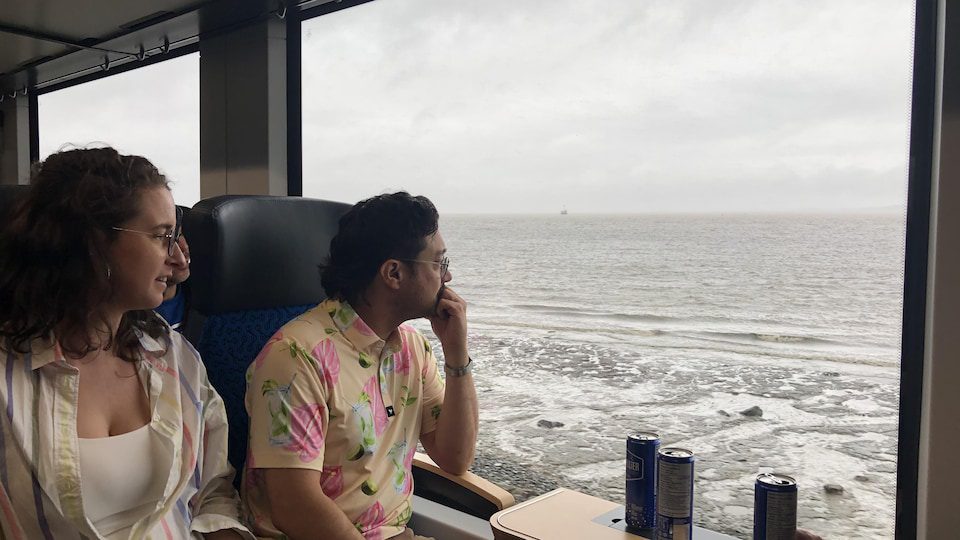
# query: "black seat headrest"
255,252
10,194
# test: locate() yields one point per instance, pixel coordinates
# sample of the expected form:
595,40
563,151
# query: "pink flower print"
258,361
372,389
425,365
362,327
328,362
307,431
331,481
401,358
370,521
407,486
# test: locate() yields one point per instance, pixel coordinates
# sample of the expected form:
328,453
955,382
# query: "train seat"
255,265
9,195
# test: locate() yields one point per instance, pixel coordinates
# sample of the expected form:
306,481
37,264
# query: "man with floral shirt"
339,397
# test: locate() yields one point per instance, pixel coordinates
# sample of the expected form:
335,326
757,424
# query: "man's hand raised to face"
452,444
450,325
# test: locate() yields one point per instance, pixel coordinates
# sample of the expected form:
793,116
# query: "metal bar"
330,7
43,36
34,123
95,72
922,140
294,104
153,55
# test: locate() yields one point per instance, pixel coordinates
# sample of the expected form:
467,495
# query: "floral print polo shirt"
326,393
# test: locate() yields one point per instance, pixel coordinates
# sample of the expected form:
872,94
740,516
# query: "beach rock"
831,374
722,412
861,478
549,424
833,489
752,411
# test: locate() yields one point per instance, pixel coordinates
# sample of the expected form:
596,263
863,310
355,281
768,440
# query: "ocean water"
677,323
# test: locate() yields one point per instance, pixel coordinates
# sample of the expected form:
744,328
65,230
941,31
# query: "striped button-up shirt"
40,494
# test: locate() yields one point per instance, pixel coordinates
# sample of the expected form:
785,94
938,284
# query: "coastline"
820,426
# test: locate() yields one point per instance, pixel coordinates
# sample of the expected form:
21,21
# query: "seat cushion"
228,344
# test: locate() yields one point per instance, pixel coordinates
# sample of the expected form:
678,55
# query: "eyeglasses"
444,263
171,237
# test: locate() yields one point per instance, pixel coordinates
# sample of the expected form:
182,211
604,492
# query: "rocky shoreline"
545,426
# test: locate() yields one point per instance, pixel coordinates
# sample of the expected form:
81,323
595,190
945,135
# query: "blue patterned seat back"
228,344
254,266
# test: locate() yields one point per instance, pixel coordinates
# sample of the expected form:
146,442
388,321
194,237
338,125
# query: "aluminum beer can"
674,494
774,507
641,508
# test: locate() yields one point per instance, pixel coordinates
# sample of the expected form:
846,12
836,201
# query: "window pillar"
15,138
243,110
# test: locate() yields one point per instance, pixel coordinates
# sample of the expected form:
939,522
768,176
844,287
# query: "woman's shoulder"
173,353
38,352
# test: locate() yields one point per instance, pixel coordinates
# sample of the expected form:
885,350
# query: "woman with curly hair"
109,427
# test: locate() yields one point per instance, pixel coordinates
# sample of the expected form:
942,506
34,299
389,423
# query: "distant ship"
564,211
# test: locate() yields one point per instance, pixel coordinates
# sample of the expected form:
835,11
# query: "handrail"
497,496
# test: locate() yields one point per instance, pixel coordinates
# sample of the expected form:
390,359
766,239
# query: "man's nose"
178,258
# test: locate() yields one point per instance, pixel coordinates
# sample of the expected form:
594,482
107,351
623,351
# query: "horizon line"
851,211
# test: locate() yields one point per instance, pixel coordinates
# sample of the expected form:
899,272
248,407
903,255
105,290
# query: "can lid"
775,479
676,452
645,436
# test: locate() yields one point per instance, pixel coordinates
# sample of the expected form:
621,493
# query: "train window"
153,111
685,217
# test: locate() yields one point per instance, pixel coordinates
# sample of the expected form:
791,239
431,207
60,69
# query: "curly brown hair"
53,253
387,226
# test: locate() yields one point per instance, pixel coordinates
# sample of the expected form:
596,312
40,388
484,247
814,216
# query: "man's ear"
391,273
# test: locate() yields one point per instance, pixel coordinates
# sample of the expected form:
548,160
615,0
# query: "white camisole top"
121,479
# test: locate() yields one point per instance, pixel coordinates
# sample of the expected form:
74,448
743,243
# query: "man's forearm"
301,511
453,442
317,516
456,435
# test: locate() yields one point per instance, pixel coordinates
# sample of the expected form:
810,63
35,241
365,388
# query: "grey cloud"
528,106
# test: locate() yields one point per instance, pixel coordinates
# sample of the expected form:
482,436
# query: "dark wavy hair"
390,226
53,253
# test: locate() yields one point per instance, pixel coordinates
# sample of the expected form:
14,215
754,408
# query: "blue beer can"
674,494
774,507
641,507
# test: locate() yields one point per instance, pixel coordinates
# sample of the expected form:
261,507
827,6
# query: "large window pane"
152,111
734,174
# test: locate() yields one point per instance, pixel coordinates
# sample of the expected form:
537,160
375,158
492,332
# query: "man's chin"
428,312
169,292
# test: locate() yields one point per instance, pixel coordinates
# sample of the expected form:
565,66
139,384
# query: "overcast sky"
536,105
